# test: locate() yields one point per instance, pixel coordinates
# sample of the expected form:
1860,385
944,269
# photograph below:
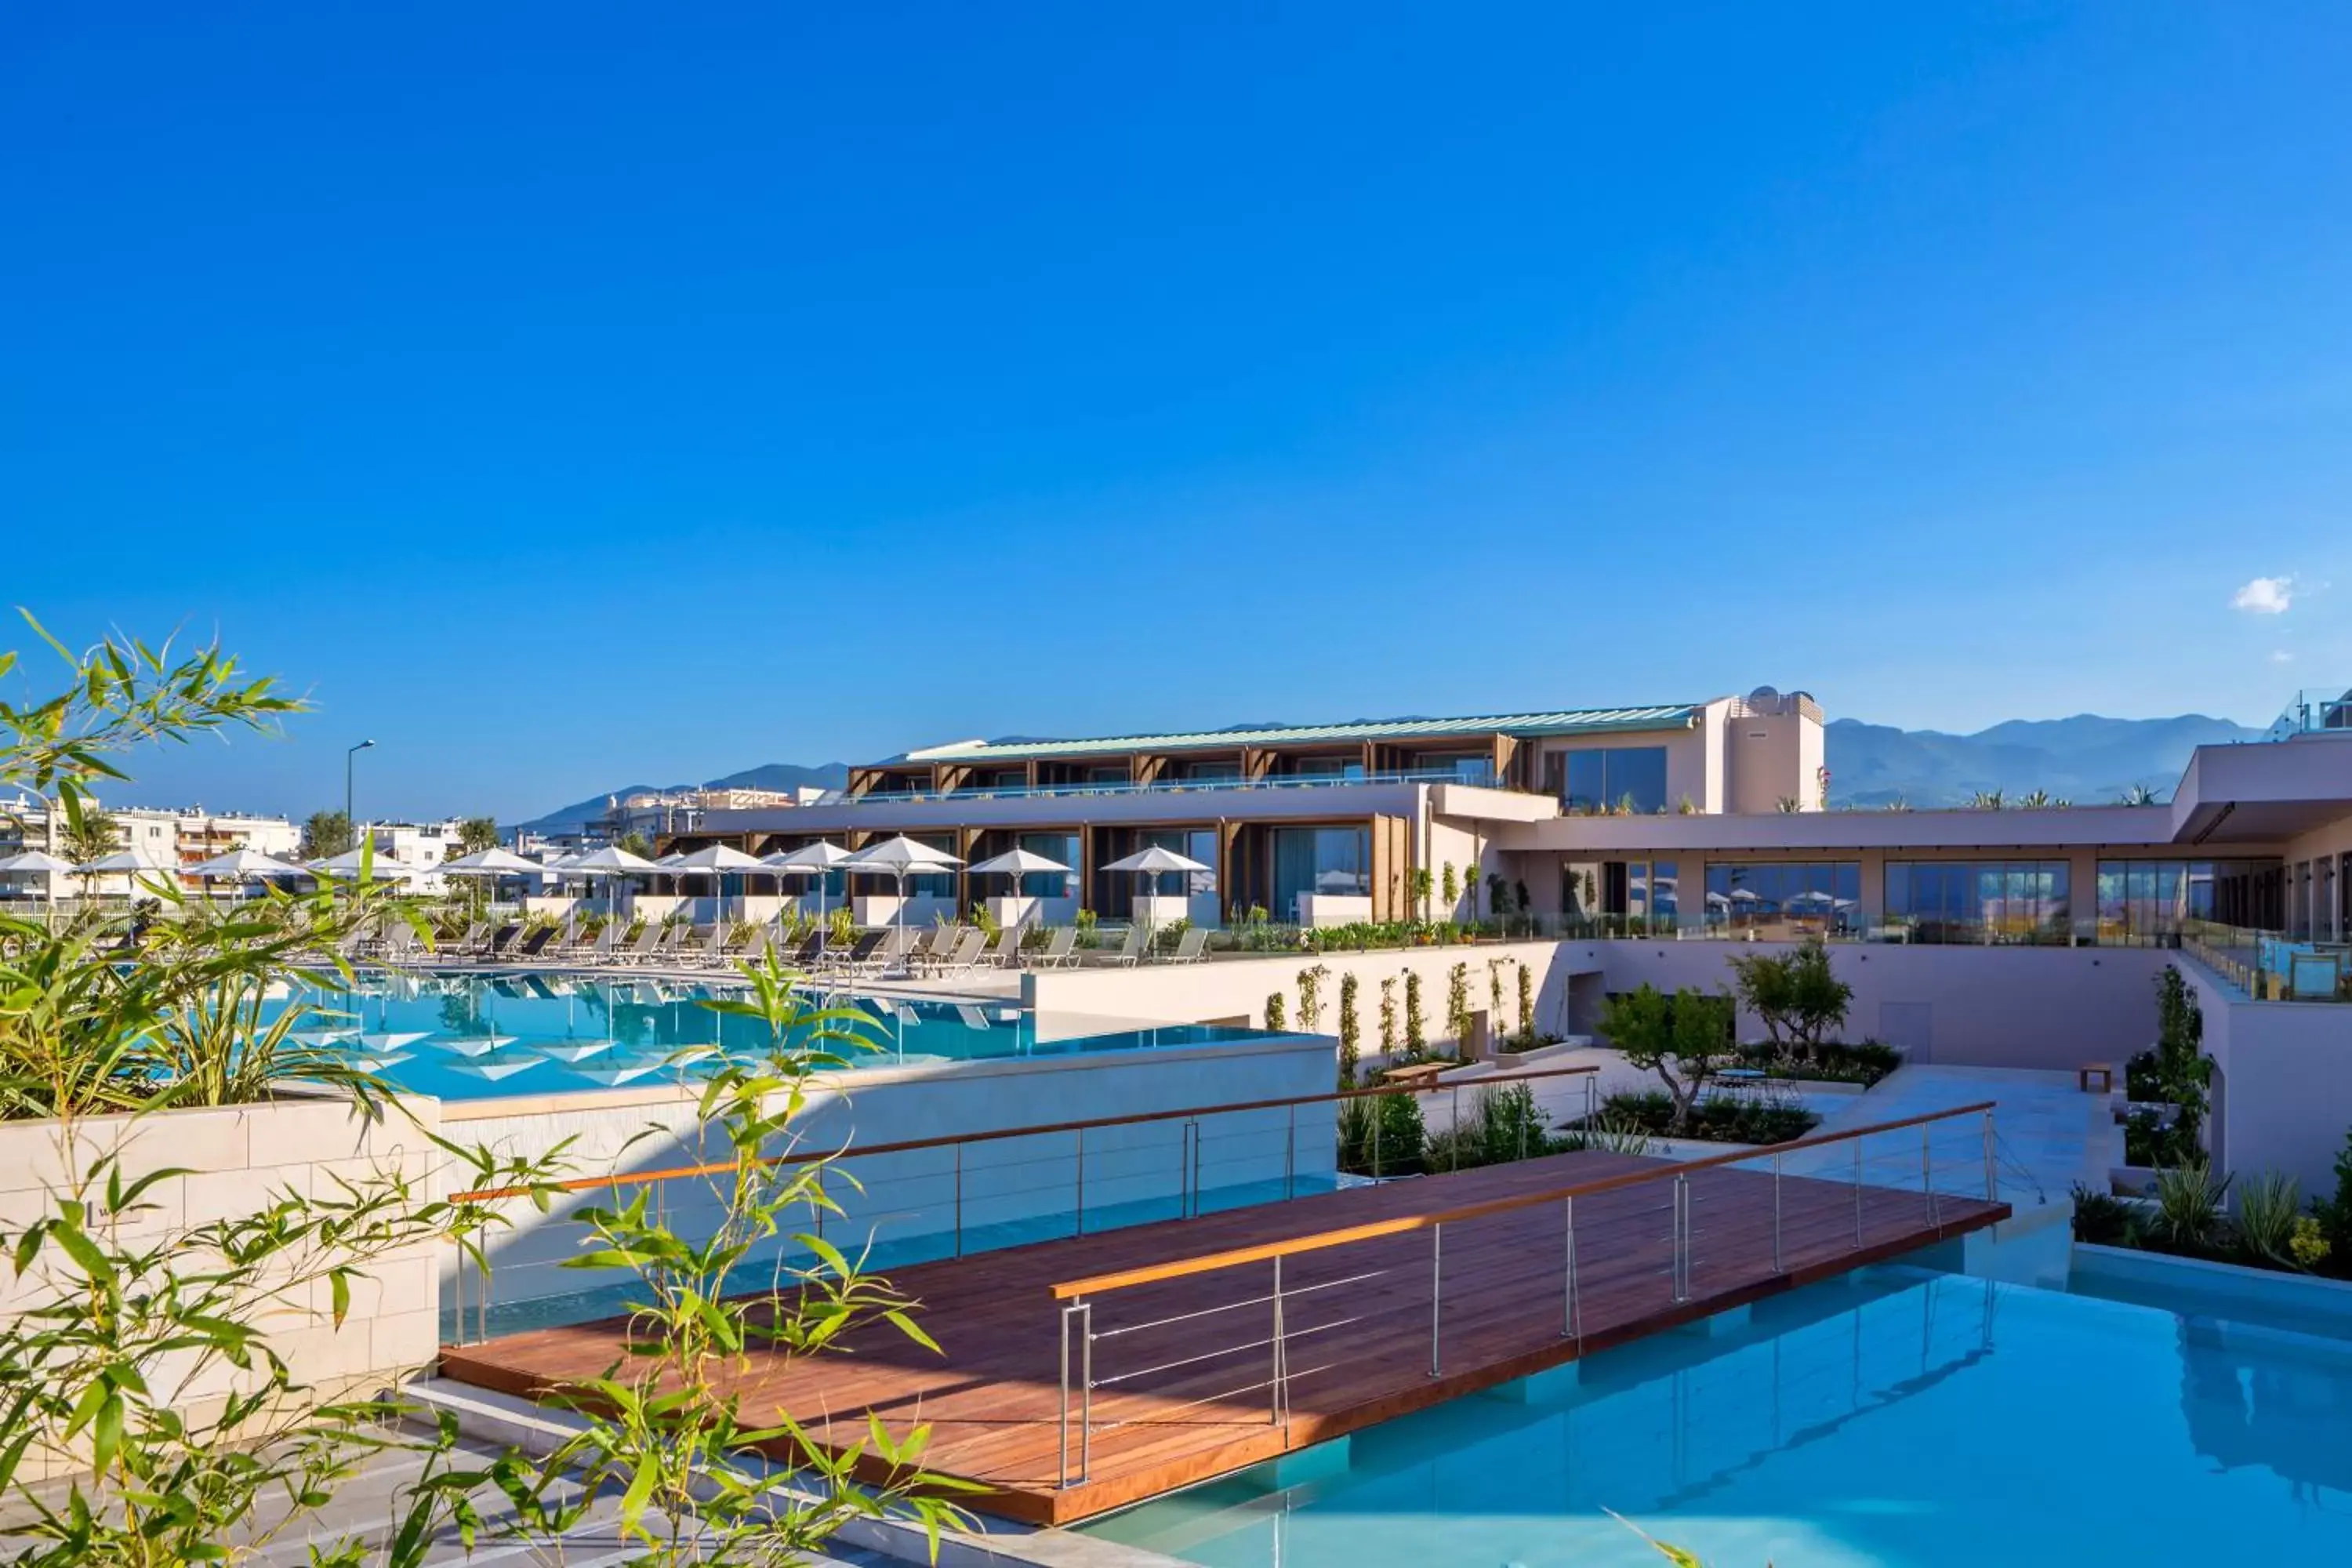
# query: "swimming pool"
1893,1419
472,1036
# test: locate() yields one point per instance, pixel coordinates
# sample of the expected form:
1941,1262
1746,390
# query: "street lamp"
350,824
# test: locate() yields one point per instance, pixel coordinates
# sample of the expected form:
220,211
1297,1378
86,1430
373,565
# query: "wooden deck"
1178,1402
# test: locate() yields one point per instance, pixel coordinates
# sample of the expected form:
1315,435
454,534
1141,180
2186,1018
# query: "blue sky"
567,395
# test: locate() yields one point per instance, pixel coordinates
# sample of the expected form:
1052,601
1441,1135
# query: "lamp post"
350,824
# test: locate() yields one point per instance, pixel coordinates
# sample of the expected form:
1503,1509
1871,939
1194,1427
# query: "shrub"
1416,1030
2187,1205
1350,1031
1401,1136
2268,1208
1607,1133
1527,1008
2335,1215
1310,997
2102,1219
2307,1245
1276,1017
1388,1018
1457,1008
1721,1121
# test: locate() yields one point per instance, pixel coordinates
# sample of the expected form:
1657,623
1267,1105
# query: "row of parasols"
898,859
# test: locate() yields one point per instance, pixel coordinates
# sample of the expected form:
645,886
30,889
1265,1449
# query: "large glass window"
1980,901
1062,847
2146,901
1613,778
1783,900
1650,892
1327,861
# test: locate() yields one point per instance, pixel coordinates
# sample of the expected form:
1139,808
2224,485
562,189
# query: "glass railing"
2323,711
1162,787
2271,967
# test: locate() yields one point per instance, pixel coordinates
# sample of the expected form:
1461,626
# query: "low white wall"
1011,1189
1234,987
240,1160
2051,1008
2282,1093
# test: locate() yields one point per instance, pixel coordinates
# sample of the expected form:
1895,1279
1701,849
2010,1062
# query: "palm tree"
2035,800
88,834
1987,800
2140,795
476,834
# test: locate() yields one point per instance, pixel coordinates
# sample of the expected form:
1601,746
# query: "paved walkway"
2049,1134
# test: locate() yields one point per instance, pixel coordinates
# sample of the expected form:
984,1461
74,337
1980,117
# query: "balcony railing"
1167,786
2322,711
2271,967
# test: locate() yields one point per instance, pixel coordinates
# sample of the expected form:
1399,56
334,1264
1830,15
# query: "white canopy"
492,862
248,863
1156,860
33,862
384,868
1019,863
900,855
717,857
610,861
820,856
120,860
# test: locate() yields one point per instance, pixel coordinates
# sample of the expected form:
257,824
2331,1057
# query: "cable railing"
1583,1263
925,1199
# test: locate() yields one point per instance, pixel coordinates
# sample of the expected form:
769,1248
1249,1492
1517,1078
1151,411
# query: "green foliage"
1685,1038
841,927
668,1434
1388,1018
2102,1219
1864,1062
1416,1029
2268,1207
1741,1119
2307,1247
988,924
1501,1123
2182,1071
1607,1133
1797,994
633,843
1449,887
1310,997
476,834
324,834
1457,1008
1402,1134
1278,1018
2188,1206
89,834
1352,1030
1422,883
2334,1213
1526,1037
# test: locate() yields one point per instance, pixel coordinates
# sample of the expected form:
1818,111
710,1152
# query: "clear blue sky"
573,395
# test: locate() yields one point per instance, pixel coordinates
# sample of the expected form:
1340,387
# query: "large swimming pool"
1896,1419
471,1037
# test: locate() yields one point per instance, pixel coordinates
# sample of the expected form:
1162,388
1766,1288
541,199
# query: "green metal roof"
1573,722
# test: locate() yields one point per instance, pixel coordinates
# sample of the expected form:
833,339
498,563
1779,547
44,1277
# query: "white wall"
1230,988
2043,1007
2282,1082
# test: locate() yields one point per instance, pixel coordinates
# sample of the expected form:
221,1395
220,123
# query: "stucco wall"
2052,1008
2283,1081
1238,987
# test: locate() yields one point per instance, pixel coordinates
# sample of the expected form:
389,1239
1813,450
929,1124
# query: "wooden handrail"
1318,1241
637,1178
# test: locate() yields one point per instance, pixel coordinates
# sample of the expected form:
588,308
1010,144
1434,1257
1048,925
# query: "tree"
476,834
1797,995
326,832
1422,883
1449,889
1416,1029
635,844
1351,1031
1685,1038
88,834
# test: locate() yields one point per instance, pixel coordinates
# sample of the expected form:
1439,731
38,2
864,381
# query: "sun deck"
1082,1374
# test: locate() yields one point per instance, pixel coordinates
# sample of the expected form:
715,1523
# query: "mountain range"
2086,759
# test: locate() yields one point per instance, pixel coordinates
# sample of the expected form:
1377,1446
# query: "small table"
2103,1072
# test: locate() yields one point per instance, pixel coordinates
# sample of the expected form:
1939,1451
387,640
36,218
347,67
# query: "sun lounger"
966,954
531,946
861,953
1189,947
1130,951
642,948
1005,951
1061,948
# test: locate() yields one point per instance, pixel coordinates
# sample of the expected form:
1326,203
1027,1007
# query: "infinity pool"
1894,1420
471,1037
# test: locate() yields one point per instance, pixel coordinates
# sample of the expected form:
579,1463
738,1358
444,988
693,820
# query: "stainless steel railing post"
1290,1155
1276,1384
1062,1473
958,1200
1993,1180
1857,1192
1928,1176
1777,1266
1571,1324
1436,1291
1082,1180
1682,1239
1086,1389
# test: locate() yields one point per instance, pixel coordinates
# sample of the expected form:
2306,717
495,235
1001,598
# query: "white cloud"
2264,597
2280,656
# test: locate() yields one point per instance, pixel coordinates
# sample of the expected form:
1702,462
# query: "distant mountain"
2087,759
767,775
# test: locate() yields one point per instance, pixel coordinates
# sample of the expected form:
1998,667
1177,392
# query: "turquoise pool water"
1894,1419
472,1036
